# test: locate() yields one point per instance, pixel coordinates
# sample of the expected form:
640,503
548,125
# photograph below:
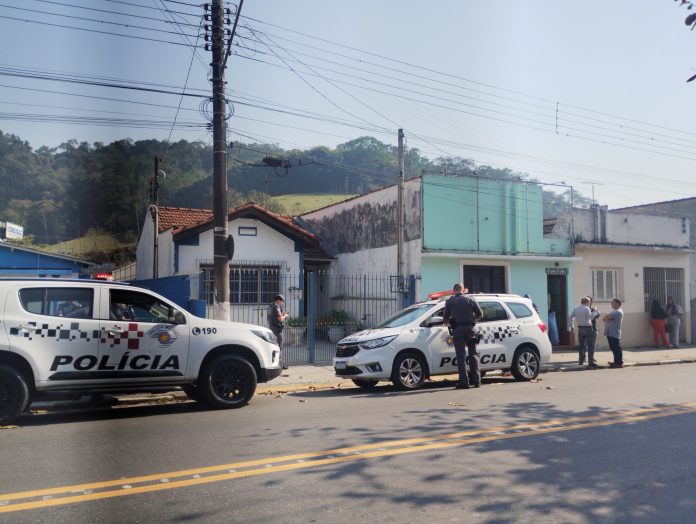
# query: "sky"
592,94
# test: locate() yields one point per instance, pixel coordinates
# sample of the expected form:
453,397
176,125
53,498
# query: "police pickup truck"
413,344
67,338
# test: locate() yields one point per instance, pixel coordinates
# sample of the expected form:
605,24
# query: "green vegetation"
297,204
92,241
58,194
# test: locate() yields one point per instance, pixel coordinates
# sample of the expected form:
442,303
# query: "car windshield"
405,316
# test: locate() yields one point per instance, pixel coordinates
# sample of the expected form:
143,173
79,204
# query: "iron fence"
323,307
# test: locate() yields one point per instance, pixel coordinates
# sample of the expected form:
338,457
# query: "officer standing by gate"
461,314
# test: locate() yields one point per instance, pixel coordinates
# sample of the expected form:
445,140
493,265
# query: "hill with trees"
60,193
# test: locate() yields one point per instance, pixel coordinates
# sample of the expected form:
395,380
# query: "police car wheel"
14,394
408,371
227,382
525,364
364,383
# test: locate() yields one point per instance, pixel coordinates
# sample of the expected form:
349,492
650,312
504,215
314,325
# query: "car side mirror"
435,321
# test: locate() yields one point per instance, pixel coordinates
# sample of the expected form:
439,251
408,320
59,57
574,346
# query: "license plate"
340,364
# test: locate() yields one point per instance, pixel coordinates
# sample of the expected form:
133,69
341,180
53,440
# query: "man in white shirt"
583,316
673,322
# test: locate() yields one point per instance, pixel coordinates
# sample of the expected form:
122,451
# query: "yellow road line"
383,449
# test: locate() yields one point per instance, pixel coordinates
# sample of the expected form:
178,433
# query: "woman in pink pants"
657,320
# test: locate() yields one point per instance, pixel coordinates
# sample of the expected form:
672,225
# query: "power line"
549,126
83,76
181,99
456,77
553,110
111,33
95,83
130,26
63,4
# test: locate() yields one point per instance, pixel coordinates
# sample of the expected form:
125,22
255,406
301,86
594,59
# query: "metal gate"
323,307
659,283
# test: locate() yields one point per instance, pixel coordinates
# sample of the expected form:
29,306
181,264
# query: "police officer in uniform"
276,322
461,314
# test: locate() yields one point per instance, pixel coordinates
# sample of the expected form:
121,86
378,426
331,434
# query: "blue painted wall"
14,261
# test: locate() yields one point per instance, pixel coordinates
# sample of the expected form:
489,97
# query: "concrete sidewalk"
298,378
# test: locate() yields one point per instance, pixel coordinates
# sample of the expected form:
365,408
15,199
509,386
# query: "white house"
270,256
635,258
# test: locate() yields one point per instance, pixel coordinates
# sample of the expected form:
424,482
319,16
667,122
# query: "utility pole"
400,211
221,264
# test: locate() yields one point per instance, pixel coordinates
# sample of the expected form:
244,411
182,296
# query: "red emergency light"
102,276
447,293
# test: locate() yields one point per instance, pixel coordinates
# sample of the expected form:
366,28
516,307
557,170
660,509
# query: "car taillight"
542,326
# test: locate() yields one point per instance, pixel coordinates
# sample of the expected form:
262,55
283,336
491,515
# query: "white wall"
636,329
381,260
144,250
629,228
268,245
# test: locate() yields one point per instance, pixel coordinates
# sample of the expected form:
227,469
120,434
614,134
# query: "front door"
558,307
143,339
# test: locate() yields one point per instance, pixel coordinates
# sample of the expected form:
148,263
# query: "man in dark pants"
612,330
461,314
276,322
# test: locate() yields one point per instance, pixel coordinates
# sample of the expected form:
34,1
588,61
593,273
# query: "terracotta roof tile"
202,216
178,218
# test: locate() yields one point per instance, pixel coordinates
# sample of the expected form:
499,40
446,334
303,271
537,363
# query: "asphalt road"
591,446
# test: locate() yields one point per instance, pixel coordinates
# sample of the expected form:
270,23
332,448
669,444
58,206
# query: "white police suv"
66,338
413,344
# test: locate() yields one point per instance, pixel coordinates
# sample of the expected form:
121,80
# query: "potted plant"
337,325
295,329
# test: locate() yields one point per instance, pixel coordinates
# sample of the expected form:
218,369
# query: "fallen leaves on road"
457,404
278,395
303,400
549,387
9,427
535,380
312,388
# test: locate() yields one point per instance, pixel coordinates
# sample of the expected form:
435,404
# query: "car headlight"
268,336
377,342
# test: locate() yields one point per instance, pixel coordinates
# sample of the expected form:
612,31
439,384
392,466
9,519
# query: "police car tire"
525,364
413,366
365,383
14,394
227,382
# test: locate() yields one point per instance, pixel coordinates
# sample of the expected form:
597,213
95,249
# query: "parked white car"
413,344
63,338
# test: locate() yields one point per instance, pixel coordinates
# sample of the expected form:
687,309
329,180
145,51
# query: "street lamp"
154,212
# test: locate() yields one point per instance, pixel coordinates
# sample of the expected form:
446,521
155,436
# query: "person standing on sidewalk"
674,312
583,320
612,330
595,329
276,322
461,314
657,321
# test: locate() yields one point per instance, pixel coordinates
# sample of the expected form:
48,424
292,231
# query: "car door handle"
26,328
114,331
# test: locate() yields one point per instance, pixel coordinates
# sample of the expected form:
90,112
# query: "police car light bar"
440,294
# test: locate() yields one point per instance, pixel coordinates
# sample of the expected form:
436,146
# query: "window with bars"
605,284
662,282
248,284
